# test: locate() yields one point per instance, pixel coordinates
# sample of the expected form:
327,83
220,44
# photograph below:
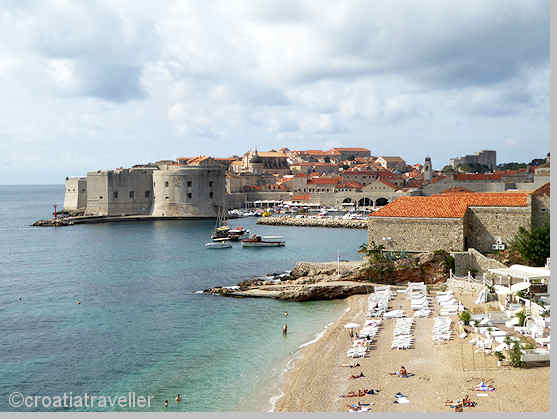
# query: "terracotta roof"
477,176
448,205
350,149
271,154
350,185
236,162
324,180
231,159
309,164
543,190
457,189
304,197
386,182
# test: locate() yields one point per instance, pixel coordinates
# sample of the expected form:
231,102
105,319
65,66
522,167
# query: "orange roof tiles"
324,181
350,149
477,176
304,197
448,205
543,190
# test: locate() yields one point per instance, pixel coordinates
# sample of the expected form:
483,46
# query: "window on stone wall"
132,194
189,183
147,194
189,195
115,194
166,197
210,194
166,184
83,190
210,184
100,197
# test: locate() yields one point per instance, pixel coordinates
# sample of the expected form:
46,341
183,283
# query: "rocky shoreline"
313,222
310,281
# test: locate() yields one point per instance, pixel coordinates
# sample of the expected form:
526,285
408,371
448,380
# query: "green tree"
533,245
465,316
521,316
448,169
515,354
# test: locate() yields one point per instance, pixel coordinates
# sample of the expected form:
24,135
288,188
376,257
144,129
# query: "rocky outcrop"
313,222
332,280
59,222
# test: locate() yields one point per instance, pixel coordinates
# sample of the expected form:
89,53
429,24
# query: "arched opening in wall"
381,202
365,202
346,201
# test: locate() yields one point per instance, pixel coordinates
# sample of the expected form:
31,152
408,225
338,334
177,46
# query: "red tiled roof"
324,180
386,182
350,149
304,197
309,164
477,176
457,189
543,190
350,185
448,205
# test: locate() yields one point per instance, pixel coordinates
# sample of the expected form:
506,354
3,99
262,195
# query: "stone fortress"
195,190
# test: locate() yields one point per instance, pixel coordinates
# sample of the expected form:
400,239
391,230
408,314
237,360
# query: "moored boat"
222,243
263,241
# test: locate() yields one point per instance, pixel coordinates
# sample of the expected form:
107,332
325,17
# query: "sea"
114,309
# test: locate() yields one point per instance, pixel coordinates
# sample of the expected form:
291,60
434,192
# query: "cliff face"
331,280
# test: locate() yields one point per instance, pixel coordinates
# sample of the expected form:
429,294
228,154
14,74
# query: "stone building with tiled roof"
453,221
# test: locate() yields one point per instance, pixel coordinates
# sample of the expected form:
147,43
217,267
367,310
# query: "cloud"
184,77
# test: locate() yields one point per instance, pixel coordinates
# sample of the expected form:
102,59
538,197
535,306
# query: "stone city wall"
472,260
75,195
417,234
484,225
189,192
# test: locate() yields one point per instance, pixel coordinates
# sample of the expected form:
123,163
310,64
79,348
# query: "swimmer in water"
178,398
166,403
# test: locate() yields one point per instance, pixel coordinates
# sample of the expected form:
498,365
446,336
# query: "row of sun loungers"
378,302
441,332
449,305
403,337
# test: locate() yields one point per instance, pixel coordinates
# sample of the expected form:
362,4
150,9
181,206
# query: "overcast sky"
90,85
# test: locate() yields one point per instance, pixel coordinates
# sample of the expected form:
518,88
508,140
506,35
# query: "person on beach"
403,373
357,376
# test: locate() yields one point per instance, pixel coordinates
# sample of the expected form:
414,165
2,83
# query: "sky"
110,83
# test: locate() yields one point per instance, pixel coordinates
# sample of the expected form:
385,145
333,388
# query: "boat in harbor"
263,241
221,228
237,233
222,243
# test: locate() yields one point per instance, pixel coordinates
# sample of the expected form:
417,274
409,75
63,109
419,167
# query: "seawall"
314,222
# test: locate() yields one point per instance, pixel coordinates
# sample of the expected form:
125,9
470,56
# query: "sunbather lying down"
361,392
351,366
465,402
357,376
358,407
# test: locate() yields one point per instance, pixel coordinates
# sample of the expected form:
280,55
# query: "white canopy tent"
522,273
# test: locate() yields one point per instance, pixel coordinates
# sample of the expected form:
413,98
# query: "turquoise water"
139,326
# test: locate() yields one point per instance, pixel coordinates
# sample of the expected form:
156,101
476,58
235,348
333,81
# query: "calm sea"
139,326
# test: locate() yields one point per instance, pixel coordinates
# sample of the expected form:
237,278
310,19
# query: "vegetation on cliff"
533,245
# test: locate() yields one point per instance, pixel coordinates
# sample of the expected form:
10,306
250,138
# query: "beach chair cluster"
403,335
442,331
492,339
419,301
378,302
449,305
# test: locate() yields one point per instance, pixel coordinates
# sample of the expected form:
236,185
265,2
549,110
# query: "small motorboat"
263,241
237,233
222,243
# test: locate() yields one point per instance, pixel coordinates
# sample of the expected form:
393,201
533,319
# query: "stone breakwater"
313,222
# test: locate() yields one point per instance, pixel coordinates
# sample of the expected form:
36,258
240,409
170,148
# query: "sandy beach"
442,372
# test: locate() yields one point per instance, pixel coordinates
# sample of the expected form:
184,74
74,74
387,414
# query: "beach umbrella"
521,286
351,325
502,290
